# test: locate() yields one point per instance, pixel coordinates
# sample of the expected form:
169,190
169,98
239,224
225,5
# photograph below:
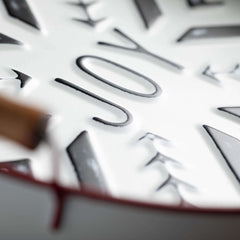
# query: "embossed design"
20,9
4,39
152,137
163,159
85,162
170,180
229,147
140,49
22,165
80,64
153,111
212,32
175,183
197,3
149,11
234,72
89,20
90,94
231,110
22,77
209,73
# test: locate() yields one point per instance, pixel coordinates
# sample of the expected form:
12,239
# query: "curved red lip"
62,194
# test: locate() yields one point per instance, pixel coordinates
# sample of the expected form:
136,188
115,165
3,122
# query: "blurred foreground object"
22,124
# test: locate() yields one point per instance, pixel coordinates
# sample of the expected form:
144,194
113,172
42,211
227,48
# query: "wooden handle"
22,124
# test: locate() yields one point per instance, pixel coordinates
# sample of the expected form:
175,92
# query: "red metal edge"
95,195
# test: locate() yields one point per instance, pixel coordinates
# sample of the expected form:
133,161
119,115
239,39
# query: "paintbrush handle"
21,123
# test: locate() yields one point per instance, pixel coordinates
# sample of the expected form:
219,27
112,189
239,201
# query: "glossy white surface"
188,100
